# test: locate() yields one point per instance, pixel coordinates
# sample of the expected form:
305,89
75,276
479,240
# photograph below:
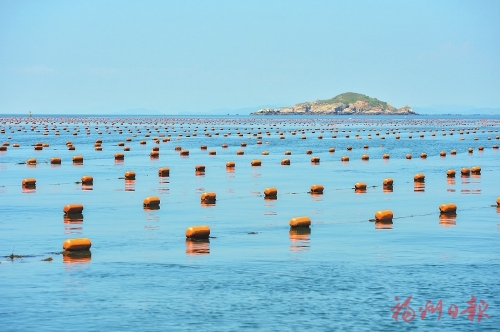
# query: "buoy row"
383,220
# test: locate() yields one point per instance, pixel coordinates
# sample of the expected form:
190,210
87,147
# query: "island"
348,103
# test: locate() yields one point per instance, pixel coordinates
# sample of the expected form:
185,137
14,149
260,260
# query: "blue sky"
199,56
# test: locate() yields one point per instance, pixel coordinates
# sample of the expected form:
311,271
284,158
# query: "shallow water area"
343,273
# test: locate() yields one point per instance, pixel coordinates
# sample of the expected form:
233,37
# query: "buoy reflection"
383,224
448,219
197,246
299,238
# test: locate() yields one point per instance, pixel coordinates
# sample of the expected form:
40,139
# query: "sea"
419,271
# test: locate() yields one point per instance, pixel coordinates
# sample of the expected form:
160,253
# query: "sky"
201,57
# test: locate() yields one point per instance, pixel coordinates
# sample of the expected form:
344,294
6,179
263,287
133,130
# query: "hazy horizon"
192,57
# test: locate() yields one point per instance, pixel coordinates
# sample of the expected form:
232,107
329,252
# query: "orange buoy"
77,244
317,189
442,153
164,171
386,156
384,215
300,222
55,161
184,152
349,148
87,179
130,175
154,154
315,160
119,156
360,186
203,147
270,193
208,197
388,182
31,161
240,152
256,162
331,150
230,164
212,152
419,177
344,158
480,148
287,153
498,201
476,170
29,183
73,208
470,150
198,232
78,159
450,173
151,201
465,171
365,157
453,152
285,161
448,208
199,168
408,156
309,152
423,155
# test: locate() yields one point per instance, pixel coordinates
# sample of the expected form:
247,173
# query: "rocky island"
348,103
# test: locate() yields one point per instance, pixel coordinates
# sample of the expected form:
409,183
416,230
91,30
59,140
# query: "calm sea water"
254,273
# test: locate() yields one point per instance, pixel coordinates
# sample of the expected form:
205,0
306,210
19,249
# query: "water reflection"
360,191
197,247
383,224
450,181
316,197
207,204
419,187
73,218
448,219
73,223
87,187
387,189
130,185
81,256
152,220
299,238
199,173
29,190
163,182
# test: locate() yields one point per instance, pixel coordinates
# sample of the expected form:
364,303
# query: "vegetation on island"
352,97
